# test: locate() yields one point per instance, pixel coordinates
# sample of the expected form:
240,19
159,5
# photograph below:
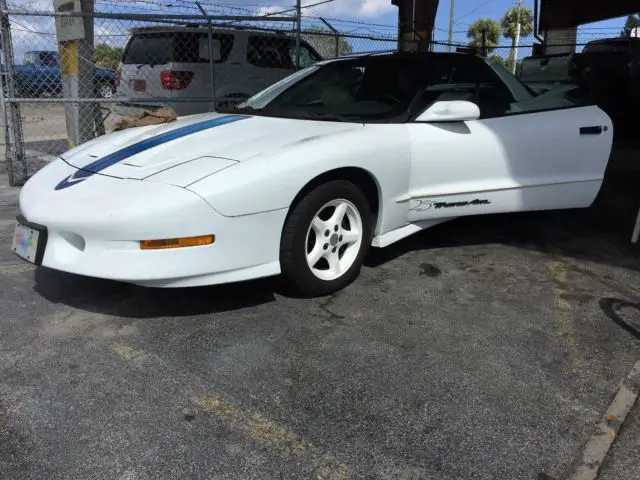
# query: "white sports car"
304,177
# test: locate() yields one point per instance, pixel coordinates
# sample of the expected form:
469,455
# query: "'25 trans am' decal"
424,205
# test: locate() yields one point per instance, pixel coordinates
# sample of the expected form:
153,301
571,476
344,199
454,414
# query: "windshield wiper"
236,108
327,116
290,113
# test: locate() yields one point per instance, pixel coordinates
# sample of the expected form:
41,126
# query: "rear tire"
326,238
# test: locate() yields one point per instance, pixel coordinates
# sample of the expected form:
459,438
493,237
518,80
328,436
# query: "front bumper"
94,229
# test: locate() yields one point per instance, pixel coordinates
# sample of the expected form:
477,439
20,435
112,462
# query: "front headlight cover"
189,172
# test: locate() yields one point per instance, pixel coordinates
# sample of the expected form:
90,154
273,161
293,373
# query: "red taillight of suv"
172,80
117,79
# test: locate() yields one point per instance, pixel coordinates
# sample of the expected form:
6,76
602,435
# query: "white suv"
163,67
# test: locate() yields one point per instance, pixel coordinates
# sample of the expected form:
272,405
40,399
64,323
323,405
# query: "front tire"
326,238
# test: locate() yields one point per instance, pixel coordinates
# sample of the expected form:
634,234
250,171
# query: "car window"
164,47
148,49
497,92
556,81
362,89
49,59
270,52
266,96
307,56
470,79
186,47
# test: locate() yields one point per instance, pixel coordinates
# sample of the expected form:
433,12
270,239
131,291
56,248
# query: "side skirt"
389,238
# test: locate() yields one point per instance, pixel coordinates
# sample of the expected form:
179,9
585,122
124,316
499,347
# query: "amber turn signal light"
177,242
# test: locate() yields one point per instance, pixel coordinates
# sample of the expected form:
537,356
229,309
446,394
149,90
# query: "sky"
466,11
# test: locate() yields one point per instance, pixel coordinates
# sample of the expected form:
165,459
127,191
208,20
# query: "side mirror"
450,111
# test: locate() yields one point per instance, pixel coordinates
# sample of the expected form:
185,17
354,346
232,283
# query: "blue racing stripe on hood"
142,146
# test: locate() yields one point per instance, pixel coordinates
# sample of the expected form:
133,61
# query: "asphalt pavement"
484,348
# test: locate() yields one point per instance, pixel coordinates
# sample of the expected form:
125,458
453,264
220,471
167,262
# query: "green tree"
484,35
509,24
106,56
632,22
324,41
497,59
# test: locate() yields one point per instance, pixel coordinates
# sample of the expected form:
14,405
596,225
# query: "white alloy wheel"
333,239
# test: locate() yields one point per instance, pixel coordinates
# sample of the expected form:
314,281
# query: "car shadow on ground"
131,301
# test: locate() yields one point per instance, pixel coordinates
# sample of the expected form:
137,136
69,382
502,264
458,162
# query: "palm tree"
484,34
509,24
497,59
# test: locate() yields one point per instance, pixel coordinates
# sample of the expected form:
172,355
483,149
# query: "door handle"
596,130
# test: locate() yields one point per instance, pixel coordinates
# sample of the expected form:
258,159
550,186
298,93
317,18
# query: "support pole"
75,44
636,230
335,32
515,48
516,40
416,21
5,120
212,60
451,13
14,144
298,30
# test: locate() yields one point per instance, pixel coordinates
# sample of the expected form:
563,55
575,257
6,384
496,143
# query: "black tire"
296,273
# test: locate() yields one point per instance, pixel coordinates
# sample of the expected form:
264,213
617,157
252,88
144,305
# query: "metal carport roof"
555,14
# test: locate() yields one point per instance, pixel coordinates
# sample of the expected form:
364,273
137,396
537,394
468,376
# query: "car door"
523,153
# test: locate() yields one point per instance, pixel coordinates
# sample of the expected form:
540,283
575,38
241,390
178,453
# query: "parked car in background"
40,75
169,67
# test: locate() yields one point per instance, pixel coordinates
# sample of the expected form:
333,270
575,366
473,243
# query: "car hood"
141,152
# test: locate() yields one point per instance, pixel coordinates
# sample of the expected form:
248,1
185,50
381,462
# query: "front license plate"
139,85
28,241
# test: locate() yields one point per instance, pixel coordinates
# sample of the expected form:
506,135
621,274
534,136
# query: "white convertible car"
304,177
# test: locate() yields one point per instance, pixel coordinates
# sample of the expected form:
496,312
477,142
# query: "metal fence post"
337,34
5,122
15,158
298,31
212,60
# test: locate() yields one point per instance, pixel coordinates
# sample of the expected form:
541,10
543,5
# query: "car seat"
335,98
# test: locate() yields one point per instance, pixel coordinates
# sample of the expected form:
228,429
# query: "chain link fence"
58,92
61,89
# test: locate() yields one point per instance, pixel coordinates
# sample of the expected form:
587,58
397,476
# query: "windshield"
518,89
357,89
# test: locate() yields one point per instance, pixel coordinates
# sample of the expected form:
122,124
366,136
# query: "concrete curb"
588,464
